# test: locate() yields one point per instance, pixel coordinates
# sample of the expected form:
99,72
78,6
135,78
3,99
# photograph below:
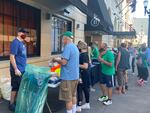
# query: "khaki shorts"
68,89
121,77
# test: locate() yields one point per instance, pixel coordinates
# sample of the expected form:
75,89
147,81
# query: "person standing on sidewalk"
132,52
108,70
18,59
69,72
122,65
84,81
143,64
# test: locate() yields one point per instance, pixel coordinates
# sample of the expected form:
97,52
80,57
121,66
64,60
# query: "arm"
105,62
13,62
84,66
118,59
61,61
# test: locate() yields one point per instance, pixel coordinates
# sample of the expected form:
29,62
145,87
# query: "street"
136,100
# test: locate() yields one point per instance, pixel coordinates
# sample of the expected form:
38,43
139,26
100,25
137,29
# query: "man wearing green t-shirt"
108,70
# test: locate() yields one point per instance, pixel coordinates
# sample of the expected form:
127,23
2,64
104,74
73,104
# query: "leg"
102,84
13,97
103,89
74,97
87,97
69,105
15,83
79,95
133,61
145,73
65,94
86,93
109,90
126,79
109,84
120,79
140,71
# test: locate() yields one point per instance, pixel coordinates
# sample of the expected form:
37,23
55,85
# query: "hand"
54,60
100,59
17,72
102,53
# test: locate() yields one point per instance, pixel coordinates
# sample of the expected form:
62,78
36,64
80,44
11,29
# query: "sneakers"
145,81
92,89
140,82
86,106
79,109
103,98
11,107
107,102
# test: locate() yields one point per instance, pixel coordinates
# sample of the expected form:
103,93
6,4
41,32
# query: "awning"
96,11
58,5
54,5
100,20
124,34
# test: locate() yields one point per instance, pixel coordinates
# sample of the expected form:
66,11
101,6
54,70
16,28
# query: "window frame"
69,29
18,20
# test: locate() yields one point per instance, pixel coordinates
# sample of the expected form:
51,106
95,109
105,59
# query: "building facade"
141,27
45,25
115,11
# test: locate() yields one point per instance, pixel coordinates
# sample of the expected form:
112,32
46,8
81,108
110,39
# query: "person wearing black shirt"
84,82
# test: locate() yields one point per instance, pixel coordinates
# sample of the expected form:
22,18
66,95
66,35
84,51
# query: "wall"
80,20
77,17
115,16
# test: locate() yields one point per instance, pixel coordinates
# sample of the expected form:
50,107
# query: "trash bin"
33,90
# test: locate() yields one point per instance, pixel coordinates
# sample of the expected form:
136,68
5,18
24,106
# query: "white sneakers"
79,109
84,106
107,102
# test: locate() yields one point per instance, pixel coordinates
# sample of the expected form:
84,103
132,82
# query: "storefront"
45,20
45,24
99,23
14,14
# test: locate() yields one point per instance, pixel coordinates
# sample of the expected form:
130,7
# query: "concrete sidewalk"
136,100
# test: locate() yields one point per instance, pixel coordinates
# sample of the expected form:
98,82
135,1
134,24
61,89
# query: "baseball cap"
23,30
68,34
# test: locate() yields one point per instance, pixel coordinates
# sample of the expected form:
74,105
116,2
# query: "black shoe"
11,107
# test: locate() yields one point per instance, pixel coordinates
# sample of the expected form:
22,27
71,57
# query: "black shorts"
108,80
15,81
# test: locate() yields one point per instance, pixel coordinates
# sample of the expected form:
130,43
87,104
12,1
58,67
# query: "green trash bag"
33,90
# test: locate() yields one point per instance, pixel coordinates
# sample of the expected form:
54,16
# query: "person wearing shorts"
122,65
69,72
17,64
108,70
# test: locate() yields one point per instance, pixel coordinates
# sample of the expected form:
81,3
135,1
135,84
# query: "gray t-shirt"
124,60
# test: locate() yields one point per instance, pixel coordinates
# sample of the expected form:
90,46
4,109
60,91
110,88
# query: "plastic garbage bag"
33,90
5,87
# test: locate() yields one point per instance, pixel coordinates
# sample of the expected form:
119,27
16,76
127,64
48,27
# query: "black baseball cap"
23,30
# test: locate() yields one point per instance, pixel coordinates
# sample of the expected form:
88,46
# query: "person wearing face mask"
18,59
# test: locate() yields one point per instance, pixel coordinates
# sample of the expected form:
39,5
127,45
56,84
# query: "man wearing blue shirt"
17,64
69,72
